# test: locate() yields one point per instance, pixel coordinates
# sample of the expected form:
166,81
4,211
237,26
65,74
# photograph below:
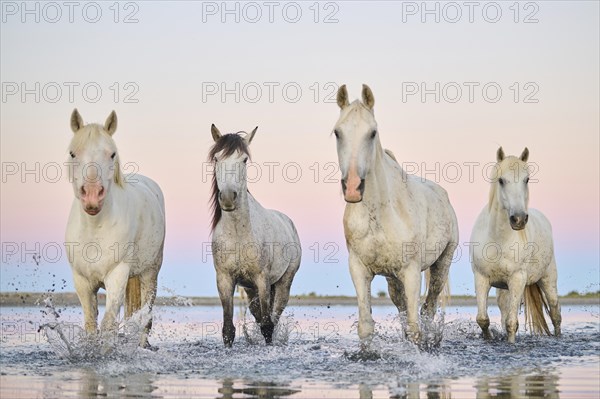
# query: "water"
316,354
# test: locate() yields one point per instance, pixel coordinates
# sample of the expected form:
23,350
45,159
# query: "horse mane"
94,132
226,145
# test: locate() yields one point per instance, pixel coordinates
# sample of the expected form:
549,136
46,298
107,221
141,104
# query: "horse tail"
534,303
133,296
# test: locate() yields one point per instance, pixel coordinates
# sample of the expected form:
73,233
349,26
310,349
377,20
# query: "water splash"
71,342
328,359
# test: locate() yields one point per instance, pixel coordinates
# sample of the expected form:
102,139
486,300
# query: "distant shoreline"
70,299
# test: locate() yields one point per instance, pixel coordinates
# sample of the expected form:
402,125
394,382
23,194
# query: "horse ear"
111,123
342,97
525,155
367,97
249,137
500,154
76,121
216,135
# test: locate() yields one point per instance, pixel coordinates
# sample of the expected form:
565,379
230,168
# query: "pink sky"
171,57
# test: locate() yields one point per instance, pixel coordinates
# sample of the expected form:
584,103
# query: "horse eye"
245,160
373,134
501,181
337,134
113,155
71,154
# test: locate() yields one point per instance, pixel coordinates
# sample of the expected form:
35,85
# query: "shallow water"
315,355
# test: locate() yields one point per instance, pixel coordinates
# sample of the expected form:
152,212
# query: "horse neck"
499,226
383,182
239,220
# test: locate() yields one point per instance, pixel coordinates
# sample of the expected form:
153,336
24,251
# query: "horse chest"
94,252
382,251
240,258
499,262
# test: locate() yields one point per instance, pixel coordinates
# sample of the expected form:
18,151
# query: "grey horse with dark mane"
253,247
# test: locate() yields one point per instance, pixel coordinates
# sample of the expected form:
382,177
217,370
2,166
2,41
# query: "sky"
452,82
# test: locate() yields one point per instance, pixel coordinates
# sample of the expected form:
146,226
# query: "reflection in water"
93,385
192,363
259,390
518,386
411,390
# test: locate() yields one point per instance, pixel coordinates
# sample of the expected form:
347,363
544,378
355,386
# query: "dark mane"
227,145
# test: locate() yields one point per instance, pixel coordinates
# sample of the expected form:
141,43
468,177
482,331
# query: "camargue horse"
116,228
396,225
512,250
254,247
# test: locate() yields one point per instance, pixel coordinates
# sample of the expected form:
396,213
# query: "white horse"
254,247
512,250
116,228
396,225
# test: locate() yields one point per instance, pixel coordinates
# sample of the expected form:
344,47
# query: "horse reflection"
259,390
518,386
410,390
94,385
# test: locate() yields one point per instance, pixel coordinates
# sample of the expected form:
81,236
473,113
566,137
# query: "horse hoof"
149,347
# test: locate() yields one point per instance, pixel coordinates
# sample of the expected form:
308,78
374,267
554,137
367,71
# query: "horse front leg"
115,283
516,288
264,297
226,287
482,291
362,278
88,297
411,279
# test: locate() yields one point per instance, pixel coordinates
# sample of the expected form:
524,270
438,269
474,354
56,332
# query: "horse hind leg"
503,301
281,297
396,291
253,304
437,281
148,287
548,286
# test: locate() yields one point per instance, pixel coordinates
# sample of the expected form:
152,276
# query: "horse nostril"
361,186
220,196
513,219
82,190
526,218
101,193
234,195
343,185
